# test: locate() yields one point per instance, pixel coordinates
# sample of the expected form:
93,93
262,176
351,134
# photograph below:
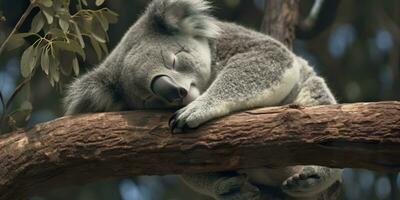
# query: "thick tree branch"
96,146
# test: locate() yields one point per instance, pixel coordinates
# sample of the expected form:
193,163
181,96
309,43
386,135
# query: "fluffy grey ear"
190,17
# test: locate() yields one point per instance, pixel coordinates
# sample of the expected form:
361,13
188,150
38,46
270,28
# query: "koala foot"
307,183
236,188
190,116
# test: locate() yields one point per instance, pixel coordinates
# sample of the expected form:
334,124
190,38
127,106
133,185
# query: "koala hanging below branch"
178,56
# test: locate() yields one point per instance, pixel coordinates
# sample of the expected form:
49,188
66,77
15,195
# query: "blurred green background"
359,56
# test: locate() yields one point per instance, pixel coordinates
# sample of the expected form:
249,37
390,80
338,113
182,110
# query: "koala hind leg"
223,185
314,91
311,181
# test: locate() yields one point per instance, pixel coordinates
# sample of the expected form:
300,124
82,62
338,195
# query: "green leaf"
96,48
45,61
14,43
23,35
111,16
85,23
104,47
56,33
66,59
79,35
98,32
2,18
28,62
102,19
45,3
64,24
99,2
17,40
48,13
63,20
54,71
71,45
75,66
84,2
37,23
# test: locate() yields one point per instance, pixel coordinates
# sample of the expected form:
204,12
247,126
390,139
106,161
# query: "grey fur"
225,68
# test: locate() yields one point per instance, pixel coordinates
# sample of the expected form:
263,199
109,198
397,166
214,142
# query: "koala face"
166,71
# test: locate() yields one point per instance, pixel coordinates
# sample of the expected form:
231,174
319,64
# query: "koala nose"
166,88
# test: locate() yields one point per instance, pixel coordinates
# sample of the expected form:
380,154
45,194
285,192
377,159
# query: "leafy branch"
60,41
18,25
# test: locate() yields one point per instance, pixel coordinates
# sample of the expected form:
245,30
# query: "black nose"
166,88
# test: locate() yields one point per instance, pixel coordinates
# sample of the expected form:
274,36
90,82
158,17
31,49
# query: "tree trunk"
280,20
97,146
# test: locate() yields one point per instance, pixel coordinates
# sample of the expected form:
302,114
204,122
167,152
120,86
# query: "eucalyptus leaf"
54,71
45,3
28,62
111,16
63,20
56,33
14,43
66,59
48,13
71,45
96,47
17,40
45,61
22,35
98,32
79,35
37,23
104,47
75,66
84,2
99,2
85,23
2,18
103,20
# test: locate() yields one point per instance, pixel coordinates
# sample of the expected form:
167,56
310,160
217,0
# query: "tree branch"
280,20
19,23
97,146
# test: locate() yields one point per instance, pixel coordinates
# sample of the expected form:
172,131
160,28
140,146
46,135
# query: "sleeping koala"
177,56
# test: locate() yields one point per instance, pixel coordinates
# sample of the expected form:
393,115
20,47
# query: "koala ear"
189,17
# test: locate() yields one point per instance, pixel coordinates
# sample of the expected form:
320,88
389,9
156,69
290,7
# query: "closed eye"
173,63
170,61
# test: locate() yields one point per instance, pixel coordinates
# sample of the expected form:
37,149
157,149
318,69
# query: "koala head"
167,55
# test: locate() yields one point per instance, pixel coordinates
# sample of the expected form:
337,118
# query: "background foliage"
55,41
359,56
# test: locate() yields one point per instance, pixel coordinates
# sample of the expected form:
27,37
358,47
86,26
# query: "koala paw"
190,116
236,188
307,183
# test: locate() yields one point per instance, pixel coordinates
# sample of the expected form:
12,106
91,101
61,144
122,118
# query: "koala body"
178,56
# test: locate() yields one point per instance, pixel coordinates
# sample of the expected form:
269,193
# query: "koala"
177,56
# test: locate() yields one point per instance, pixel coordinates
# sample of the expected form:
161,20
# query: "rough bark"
280,20
97,146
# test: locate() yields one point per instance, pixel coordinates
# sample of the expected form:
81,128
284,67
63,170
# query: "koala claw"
187,118
177,123
236,188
